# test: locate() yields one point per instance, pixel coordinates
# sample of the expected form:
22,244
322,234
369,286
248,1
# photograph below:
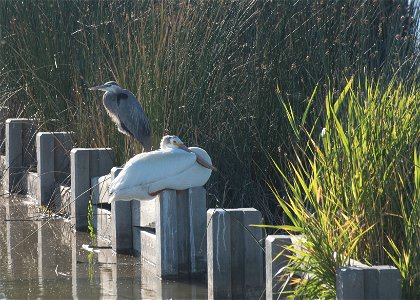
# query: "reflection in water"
40,259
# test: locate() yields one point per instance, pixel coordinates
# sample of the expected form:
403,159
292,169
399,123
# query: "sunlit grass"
353,191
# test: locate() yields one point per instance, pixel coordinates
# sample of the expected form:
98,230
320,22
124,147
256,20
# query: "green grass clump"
353,190
204,70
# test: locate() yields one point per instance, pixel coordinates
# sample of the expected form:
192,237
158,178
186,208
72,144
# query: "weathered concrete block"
19,153
63,200
122,234
53,156
183,232
382,282
274,245
2,165
235,254
45,167
104,227
197,210
144,244
350,283
143,213
100,189
377,282
166,234
85,164
180,232
94,192
219,269
3,117
32,184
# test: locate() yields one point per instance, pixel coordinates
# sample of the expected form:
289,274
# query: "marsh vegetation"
254,83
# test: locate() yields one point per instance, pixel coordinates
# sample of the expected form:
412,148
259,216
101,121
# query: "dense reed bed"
353,189
204,70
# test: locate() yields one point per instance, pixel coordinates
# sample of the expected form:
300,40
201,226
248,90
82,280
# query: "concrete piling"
219,271
169,232
197,210
103,225
378,282
275,244
113,221
3,117
235,254
53,168
19,154
382,282
178,226
122,232
349,283
85,164
166,234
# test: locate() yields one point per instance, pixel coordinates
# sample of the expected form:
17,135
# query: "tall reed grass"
353,188
204,70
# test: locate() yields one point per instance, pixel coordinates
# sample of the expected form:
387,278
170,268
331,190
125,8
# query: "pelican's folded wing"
153,166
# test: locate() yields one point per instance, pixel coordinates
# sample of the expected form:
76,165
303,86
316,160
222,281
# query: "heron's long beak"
200,160
98,88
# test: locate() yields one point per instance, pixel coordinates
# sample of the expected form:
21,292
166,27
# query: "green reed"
353,188
204,70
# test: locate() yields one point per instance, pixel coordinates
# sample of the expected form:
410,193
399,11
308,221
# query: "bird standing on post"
125,110
173,166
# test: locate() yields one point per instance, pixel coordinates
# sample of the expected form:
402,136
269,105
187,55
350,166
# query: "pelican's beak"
199,159
205,164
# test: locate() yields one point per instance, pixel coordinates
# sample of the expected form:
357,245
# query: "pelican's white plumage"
171,167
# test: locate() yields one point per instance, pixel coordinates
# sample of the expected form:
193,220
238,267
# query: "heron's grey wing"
132,117
111,106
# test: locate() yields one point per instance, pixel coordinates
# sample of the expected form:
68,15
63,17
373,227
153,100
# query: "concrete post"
86,163
235,254
377,282
382,282
63,200
19,153
3,116
349,283
122,231
180,233
103,225
219,270
53,156
274,245
166,234
197,209
120,225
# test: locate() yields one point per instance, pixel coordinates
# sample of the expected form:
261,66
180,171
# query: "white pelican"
173,166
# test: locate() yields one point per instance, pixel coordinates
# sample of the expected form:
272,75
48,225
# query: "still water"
42,259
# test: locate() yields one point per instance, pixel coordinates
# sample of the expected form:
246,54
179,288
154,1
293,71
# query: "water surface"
44,259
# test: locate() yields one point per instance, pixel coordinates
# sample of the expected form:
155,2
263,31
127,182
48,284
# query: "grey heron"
125,111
